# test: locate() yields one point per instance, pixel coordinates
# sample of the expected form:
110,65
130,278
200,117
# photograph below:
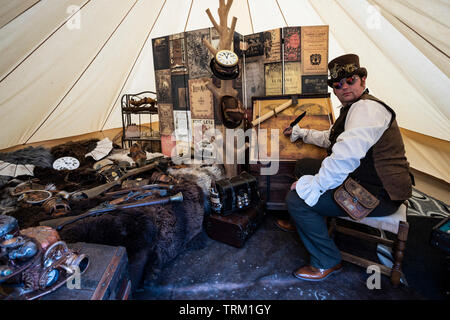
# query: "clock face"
66,163
227,58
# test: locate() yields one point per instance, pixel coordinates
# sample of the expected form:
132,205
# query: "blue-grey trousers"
311,222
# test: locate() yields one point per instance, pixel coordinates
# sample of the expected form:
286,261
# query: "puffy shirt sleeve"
365,124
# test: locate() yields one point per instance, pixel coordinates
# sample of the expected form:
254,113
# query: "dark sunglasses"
350,81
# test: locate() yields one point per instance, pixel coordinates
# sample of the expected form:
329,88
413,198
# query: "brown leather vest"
385,166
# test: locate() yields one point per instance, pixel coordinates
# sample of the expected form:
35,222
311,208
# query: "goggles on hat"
350,81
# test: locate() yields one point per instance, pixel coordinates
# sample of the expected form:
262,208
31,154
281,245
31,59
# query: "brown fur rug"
152,235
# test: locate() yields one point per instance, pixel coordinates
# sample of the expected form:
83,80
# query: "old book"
163,83
254,79
314,84
161,53
201,99
180,97
273,78
272,45
198,55
291,36
314,42
254,44
178,58
165,114
318,117
292,77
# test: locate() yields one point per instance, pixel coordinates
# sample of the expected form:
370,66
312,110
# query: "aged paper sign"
163,85
254,80
178,58
254,45
161,53
198,55
314,84
273,78
165,114
291,36
292,77
272,45
314,49
203,137
201,99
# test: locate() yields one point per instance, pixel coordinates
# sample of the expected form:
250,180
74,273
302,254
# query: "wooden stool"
395,223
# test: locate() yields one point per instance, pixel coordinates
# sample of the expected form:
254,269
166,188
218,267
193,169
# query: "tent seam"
81,75
44,41
134,64
21,13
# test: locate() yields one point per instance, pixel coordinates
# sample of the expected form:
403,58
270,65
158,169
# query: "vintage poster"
254,44
198,55
314,84
201,99
165,114
318,116
254,80
314,42
272,45
168,144
178,57
163,85
161,53
292,77
183,131
238,41
273,78
291,36
203,136
180,98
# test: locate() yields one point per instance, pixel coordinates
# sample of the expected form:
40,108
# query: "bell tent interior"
66,66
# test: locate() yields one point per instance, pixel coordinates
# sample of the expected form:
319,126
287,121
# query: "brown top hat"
343,67
232,112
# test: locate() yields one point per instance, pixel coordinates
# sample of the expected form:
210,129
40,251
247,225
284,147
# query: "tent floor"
262,270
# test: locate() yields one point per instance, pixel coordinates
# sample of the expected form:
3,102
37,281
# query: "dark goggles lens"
350,81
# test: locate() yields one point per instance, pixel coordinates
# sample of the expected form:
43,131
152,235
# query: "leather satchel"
355,199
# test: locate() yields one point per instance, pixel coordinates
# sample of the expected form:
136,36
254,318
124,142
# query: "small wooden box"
234,229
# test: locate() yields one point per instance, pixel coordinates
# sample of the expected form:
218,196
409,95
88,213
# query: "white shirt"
365,123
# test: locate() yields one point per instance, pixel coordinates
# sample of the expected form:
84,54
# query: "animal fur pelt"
201,175
37,156
77,149
152,235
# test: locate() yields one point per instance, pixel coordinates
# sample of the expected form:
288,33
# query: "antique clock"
225,65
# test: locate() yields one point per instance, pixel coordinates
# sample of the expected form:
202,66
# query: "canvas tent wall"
65,63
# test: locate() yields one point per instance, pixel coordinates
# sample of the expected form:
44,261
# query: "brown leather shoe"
311,273
285,225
